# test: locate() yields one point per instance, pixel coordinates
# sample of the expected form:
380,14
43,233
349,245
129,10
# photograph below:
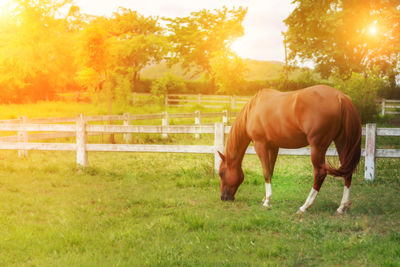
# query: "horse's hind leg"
318,161
345,203
267,155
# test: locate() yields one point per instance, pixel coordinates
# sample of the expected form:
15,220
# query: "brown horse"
313,116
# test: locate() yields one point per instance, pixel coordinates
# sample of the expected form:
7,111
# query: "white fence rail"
126,119
210,101
390,107
81,129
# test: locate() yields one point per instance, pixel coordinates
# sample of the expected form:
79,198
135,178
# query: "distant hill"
258,70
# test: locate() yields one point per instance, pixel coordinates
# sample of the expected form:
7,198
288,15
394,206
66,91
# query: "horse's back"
288,118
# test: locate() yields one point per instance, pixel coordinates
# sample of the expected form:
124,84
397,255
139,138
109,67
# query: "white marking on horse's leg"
345,203
310,200
268,195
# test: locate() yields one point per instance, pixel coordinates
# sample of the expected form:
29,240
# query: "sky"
263,23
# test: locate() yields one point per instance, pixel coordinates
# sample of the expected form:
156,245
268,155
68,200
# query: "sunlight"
3,7
239,47
373,29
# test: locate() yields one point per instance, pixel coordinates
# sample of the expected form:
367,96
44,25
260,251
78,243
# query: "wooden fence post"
197,121
22,137
127,121
166,100
233,102
165,123
134,98
81,141
225,117
370,142
219,144
383,106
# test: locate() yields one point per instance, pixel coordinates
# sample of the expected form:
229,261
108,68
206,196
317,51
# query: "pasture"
132,209
154,209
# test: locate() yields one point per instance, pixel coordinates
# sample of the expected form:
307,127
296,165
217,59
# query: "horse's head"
231,178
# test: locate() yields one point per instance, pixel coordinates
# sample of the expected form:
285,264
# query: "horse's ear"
221,155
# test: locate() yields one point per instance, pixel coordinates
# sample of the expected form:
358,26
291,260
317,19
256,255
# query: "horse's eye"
221,174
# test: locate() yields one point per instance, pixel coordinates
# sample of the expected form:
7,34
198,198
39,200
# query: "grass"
138,209
48,109
132,209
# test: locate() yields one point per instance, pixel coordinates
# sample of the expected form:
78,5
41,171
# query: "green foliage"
336,35
118,88
167,84
137,42
362,89
88,78
204,35
36,54
228,71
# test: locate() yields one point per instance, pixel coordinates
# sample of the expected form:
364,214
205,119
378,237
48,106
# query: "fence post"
219,143
383,106
370,142
81,141
197,121
127,121
134,98
225,117
165,123
199,99
22,137
233,100
166,100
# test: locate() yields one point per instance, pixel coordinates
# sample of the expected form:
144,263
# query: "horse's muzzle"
227,196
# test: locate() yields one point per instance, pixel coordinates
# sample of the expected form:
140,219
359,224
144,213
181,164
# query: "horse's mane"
238,134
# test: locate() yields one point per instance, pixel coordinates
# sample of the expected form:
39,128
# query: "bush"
363,89
167,84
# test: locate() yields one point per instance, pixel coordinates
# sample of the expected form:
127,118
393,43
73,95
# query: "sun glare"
373,28
3,3
239,47
3,7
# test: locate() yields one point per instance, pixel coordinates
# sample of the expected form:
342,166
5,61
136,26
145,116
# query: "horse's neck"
236,145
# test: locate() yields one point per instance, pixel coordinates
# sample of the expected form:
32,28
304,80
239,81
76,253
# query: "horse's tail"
351,129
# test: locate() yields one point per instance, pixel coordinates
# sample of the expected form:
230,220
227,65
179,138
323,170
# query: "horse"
313,116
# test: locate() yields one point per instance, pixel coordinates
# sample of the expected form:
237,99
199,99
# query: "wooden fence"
390,107
387,106
126,119
209,101
81,129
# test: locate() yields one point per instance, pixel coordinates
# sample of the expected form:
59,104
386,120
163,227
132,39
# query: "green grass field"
146,209
131,209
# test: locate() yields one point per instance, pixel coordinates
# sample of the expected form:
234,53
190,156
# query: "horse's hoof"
339,213
347,206
300,212
267,206
263,200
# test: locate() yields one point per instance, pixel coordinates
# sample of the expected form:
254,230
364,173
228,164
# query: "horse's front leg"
267,155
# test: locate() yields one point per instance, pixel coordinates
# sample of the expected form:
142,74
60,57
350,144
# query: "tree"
94,54
345,36
198,38
35,51
228,71
138,41
167,84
